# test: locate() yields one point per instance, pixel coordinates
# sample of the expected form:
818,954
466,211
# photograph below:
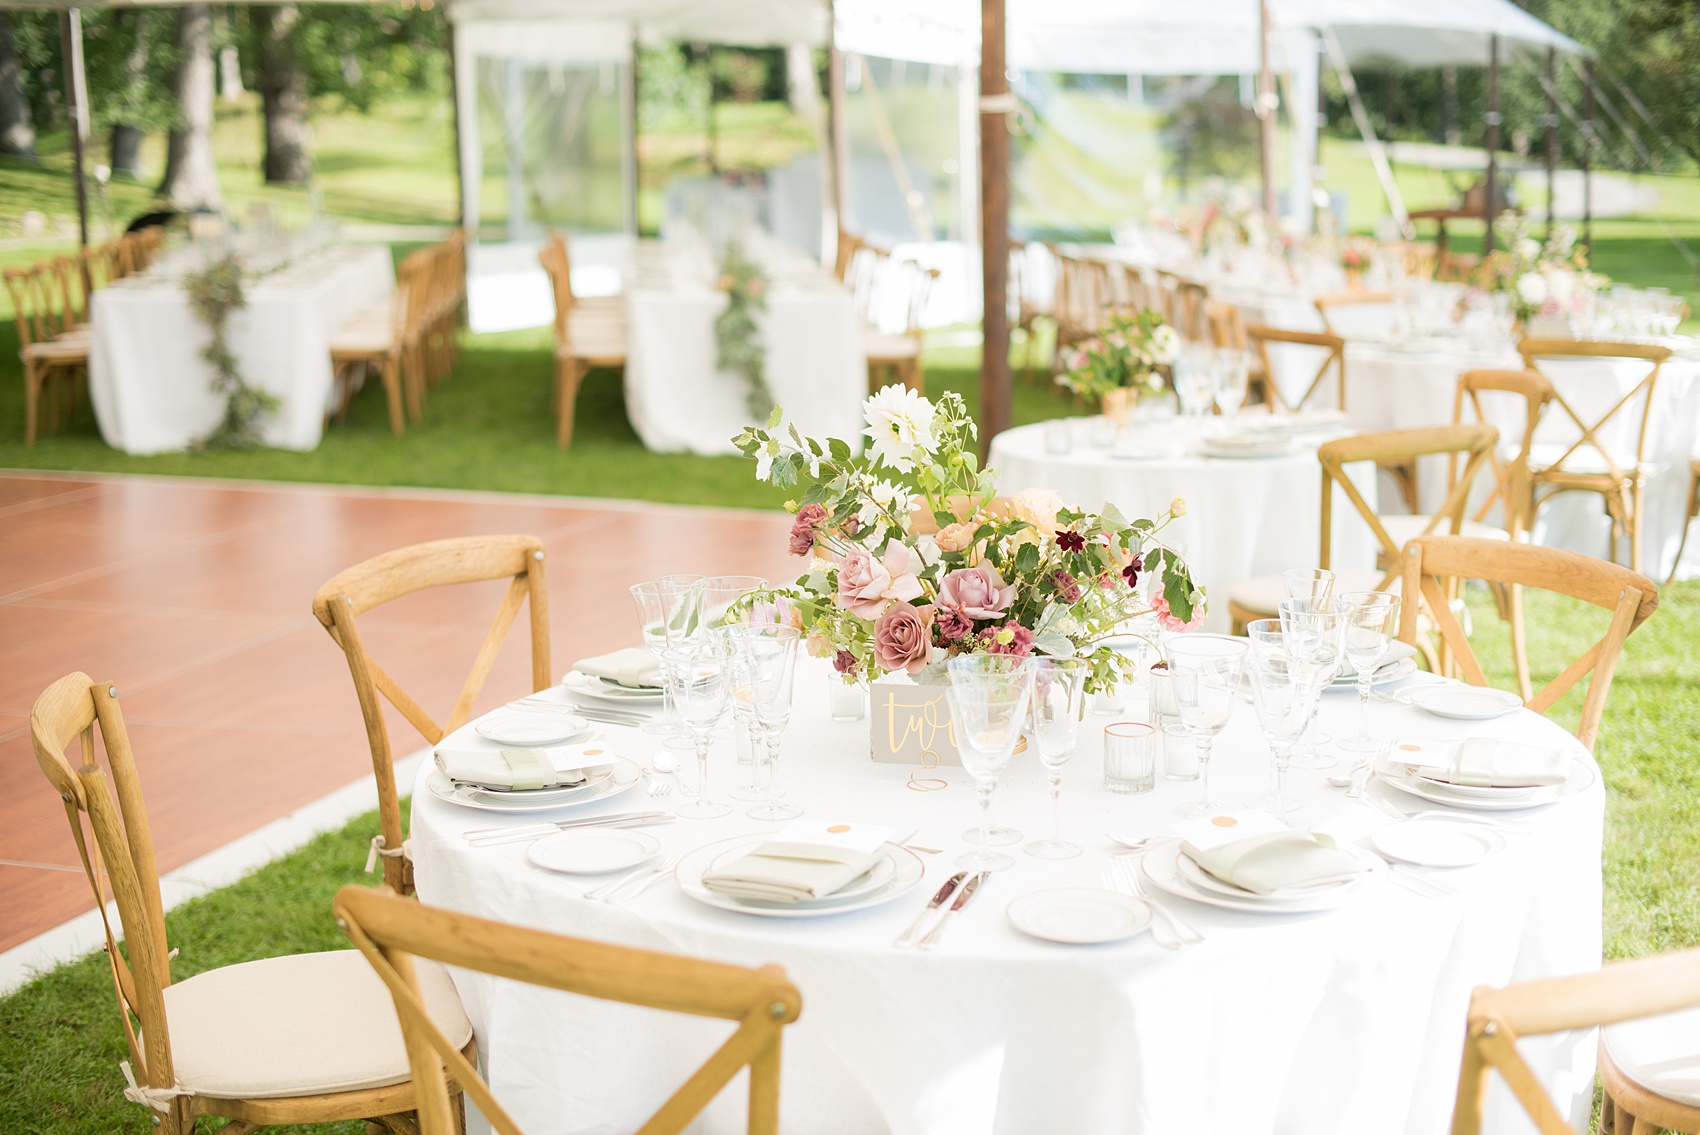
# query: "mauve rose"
844,662
1068,590
954,626
866,586
809,518
903,638
978,592
956,537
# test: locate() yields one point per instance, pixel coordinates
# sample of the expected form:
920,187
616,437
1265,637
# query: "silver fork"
1160,932
632,885
1183,930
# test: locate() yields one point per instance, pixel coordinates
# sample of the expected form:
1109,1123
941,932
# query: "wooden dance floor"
194,599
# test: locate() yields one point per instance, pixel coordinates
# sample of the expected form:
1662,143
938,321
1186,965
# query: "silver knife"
532,831
908,936
962,897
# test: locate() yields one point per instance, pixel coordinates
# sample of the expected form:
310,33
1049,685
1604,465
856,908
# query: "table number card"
911,725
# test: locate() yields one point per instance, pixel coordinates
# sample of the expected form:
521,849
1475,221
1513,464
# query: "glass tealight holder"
847,701
1130,757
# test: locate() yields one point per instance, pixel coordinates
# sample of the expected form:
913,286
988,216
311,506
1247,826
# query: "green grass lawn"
58,1067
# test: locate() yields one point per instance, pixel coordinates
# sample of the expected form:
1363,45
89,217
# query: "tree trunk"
283,96
1449,106
17,131
127,138
191,176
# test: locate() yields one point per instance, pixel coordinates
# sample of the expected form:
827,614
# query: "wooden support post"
996,104
1588,157
1267,101
1492,118
76,101
454,103
1550,121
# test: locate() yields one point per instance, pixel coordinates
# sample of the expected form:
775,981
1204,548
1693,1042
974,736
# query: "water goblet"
1206,680
771,653
1284,704
1314,631
988,699
1307,583
1059,695
744,716
705,689
1369,618
662,604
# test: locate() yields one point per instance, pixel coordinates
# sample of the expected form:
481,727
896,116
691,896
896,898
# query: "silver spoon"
1346,779
668,768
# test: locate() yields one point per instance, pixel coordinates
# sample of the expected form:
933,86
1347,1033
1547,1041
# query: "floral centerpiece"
1357,253
737,336
1124,361
913,559
1549,279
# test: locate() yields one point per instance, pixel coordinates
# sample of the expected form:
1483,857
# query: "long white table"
1334,1024
152,391
679,401
1245,517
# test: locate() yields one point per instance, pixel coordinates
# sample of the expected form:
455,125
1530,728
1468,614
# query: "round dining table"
1333,1023
1245,516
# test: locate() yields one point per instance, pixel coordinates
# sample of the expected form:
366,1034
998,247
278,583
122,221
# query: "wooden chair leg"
1519,647
32,401
569,374
413,382
1637,506
390,375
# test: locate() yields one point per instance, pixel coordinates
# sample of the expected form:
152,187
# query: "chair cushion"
879,346
1544,455
297,1025
1263,594
1404,528
363,339
1661,1054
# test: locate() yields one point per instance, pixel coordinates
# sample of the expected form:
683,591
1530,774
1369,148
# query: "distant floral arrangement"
914,559
737,335
1132,353
1549,279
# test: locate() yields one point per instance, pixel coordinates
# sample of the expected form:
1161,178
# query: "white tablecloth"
1245,516
152,391
1330,1024
677,399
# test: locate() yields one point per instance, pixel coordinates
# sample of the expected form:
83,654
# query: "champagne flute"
1059,694
1283,703
704,693
660,604
744,716
1206,680
988,699
771,654
1369,618
1232,379
1315,631
1310,583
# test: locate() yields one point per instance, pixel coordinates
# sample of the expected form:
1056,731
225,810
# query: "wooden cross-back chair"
1334,358
587,335
385,339
440,563
1336,300
297,1039
1434,565
908,284
1619,477
1025,305
393,932
1184,303
1510,470
1083,298
54,353
1623,999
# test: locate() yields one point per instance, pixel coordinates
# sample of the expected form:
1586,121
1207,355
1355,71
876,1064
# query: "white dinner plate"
1079,916
1437,843
906,873
1214,447
623,775
530,728
584,686
1399,777
593,851
1160,865
1194,872
1482,791
1465,703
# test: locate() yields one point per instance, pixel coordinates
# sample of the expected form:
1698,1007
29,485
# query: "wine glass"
1059,694
770,658
1283,701
720,592
1308,583
744,716
988,699
660,604
1231,381
1205,670
1315,631
1369,615
705,687
1193,383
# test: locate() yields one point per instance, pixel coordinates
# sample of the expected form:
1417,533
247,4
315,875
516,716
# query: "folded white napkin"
1484,762
1259,853
634,667
557,766
807,860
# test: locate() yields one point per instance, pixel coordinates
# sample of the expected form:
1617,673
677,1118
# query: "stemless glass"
1314,631
660,604
1369,615
1308,583
705,688
988,699
772,658
1283,703
1206,680
1059,694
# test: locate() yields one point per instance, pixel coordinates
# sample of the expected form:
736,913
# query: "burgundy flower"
1132,570
1071,541
1067,587
809,518
953,625
844,662
1011,639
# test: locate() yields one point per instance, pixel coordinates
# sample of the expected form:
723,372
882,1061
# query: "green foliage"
215,292
356,54
1211,134
672,90
737,336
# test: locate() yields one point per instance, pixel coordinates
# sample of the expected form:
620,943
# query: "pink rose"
956,537
954,626
866,586
809,518
1168,621
903,638
978,592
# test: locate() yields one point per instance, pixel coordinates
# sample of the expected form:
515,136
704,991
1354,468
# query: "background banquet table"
680,401
1344,1022
152,391
1245,517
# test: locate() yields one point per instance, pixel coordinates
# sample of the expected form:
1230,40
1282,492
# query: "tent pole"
454,102
1492,118
629,158
1551,123
76,98
1267,101
996,103
1588,157
838,141
1360,115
